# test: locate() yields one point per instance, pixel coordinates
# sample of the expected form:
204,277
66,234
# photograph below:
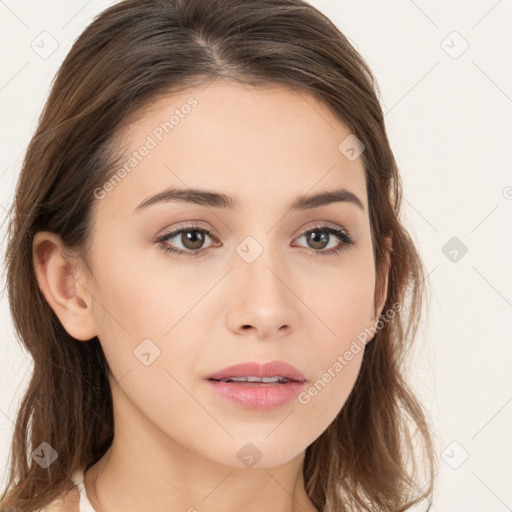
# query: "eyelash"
346,240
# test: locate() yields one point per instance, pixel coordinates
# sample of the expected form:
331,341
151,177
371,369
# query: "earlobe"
56,277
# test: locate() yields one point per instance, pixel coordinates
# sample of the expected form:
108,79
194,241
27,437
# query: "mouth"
257,381
272,373
258,386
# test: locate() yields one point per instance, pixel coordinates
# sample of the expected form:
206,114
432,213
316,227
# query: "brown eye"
318,239
322,240
188,240
192,240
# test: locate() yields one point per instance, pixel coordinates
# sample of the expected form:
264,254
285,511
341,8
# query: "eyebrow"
219,200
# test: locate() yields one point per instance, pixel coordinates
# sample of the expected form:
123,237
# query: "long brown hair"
132,52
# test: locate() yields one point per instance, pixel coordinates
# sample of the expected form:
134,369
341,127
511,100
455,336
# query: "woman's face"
264,285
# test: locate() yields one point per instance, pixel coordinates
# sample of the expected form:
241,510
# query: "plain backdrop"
445,76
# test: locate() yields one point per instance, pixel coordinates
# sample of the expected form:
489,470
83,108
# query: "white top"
85,504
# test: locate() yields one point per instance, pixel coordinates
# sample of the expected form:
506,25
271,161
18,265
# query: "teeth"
256,379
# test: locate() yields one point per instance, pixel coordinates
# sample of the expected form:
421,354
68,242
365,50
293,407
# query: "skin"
176,442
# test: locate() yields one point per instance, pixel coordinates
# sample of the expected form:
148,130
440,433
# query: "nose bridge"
262,298
263,274
260,265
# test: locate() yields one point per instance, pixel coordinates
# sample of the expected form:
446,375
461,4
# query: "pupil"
318,237
195,239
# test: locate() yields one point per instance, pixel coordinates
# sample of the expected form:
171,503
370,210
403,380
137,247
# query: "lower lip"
259,397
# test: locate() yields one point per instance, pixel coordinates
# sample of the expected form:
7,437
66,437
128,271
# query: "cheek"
148,325
144,324
338,355
327,393
342,302
141,297
339,328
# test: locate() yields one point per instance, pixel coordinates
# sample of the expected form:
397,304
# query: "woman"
207,265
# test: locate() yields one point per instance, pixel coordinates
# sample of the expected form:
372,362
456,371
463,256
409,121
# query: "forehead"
261,145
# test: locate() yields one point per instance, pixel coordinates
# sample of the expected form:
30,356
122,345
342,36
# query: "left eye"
319,238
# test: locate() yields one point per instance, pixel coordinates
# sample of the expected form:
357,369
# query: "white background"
450,125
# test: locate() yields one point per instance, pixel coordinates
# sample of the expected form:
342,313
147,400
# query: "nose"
262,299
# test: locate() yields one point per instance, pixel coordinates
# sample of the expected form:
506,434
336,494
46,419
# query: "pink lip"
258,396
255,369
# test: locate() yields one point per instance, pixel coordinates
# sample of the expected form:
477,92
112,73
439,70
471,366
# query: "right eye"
191,238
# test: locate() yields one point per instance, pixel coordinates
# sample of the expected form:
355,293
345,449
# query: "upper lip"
255,369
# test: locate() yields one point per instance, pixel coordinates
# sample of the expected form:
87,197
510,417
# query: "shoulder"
66,503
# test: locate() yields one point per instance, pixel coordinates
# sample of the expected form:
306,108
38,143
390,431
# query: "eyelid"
185,225
320,224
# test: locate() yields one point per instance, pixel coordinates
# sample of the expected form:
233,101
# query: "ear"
381,286
58,281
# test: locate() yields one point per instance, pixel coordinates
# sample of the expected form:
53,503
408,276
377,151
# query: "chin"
258,451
